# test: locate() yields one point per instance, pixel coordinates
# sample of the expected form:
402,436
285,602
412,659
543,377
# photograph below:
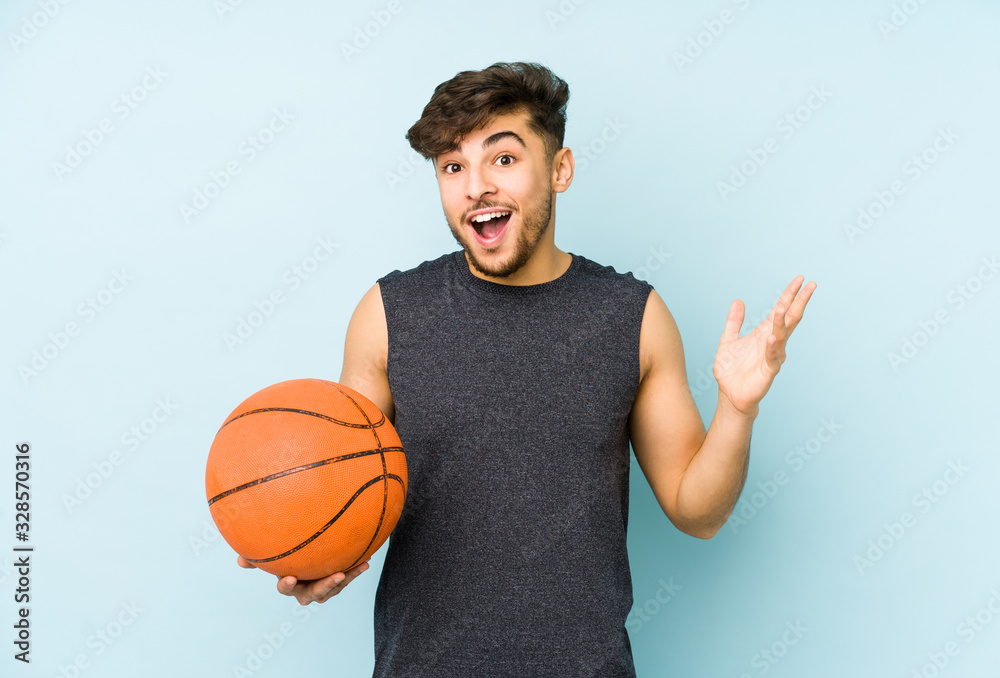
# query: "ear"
562,169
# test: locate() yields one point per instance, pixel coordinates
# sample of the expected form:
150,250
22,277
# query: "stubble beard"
534,224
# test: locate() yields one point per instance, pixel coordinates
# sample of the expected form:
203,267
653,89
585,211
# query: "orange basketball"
306,478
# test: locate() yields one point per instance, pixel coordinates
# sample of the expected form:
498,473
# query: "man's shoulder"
607,275
428,267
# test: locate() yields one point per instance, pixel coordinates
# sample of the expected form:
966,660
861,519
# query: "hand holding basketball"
315,590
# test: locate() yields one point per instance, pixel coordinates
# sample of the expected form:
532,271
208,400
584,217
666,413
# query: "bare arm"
364,370
693,475
696,476
366,349
714,479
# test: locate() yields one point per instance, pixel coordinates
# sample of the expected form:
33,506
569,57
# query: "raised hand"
745,366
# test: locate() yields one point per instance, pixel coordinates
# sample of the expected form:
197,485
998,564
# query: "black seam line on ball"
349,424
385,471
306,467
360,409
331,521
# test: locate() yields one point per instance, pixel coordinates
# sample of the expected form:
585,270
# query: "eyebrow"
506,134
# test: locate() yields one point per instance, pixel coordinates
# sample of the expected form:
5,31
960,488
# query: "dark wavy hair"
472,98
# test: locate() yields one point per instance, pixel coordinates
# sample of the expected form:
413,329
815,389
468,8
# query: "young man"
517,375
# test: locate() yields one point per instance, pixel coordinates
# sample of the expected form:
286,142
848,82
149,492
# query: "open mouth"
491,225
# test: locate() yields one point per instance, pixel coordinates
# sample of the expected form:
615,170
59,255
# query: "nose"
478,183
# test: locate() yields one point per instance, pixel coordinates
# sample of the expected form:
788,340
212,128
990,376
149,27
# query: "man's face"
501,167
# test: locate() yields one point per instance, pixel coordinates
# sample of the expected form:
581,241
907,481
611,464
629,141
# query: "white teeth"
479,218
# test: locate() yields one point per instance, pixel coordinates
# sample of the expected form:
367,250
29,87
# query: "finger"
324,589
350,576
774,353
321,589
734,321
793,287
798,306
778,328
771,354
243,562
286,585
359,568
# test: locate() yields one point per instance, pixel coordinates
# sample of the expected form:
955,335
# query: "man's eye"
450,164
506,155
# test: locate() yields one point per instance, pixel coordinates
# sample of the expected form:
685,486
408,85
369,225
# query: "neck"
544,266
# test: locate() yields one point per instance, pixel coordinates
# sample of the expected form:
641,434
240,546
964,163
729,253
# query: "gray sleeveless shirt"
512,403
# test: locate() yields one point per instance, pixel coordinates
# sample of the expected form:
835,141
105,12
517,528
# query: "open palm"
745,366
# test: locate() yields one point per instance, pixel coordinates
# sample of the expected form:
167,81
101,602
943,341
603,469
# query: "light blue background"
652,188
